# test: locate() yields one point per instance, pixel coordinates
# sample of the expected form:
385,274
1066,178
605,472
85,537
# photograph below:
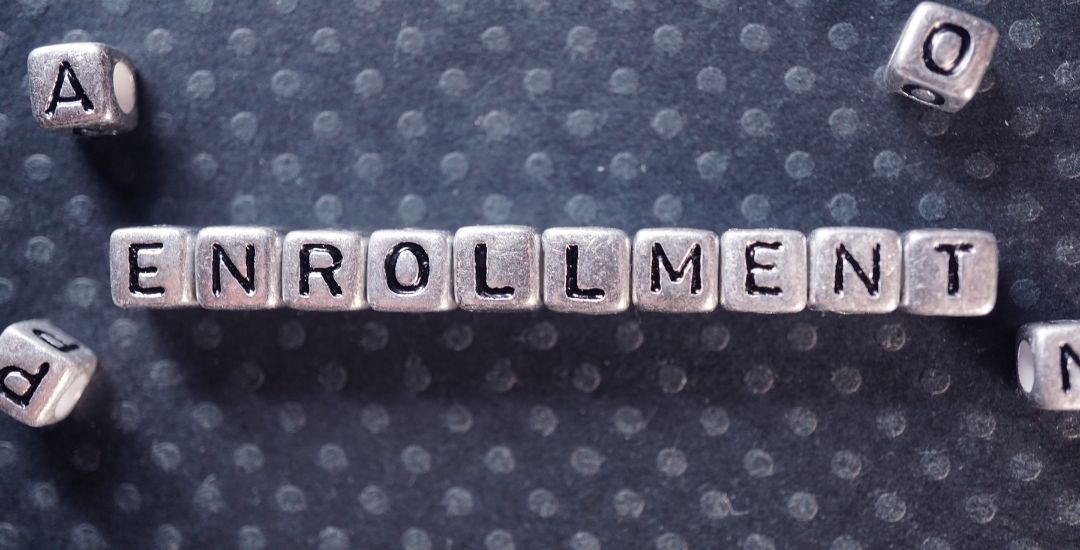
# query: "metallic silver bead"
676,270
323,270
152,267
854,270
1048,364
497,268
949,272
238,267
409,270
763,270
43,371
85,87
941,56
586,270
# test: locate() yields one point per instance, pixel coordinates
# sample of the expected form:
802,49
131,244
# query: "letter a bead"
43,372
85,87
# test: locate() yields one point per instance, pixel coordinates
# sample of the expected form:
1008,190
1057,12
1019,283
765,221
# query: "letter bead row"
571,269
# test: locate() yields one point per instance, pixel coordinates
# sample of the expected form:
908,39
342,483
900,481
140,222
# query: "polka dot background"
422,432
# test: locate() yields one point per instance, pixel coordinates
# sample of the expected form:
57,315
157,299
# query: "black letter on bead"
954,263
482,288
572,289
872,283
423,268
691,260
134,270
752,288
1067,354
220,256
52,340
32,380
327,272
66,74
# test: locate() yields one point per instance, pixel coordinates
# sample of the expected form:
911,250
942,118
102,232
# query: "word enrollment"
579,270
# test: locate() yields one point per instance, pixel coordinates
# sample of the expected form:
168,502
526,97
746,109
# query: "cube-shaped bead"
763,270
152,267
410,270
323,270
43,372
676,270
85,87
941,56
238,267
586,270
854,270
497,268
1048,364
949,272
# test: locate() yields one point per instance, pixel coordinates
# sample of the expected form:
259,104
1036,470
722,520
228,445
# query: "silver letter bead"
152,267
763,270
497,268
409,270
1048,364
238,268
941,56
949,272
85,87
323,270
676,270
586,270
854,270
43,372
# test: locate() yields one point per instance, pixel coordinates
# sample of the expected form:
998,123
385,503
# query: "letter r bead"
323,270
152,267
949,272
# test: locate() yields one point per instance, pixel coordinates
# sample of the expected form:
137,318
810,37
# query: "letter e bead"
764,270
238,268
85,87
152,267
43,372
949,272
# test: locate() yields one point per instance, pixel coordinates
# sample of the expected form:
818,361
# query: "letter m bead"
1048,364
85,87
43,372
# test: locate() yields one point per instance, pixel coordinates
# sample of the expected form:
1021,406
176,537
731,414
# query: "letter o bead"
497,268
43,372
238,267
586,270
676,270
323,270
763,270
409,270
85,87
152,267
1048,364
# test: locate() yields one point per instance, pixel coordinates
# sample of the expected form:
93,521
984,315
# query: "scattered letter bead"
1048,364
409,270
764,270
854,270
323,270
238,268
497,268
941,56
676,270
43,372
949,272
586,270
85,87
152,267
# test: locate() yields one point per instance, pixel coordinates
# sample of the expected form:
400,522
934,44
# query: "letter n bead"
941,56
238,268
43,372
409,270
1048,364
497,268
763,270
586,270
949,272
152,267
676,270
85,87
323,270
854,270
